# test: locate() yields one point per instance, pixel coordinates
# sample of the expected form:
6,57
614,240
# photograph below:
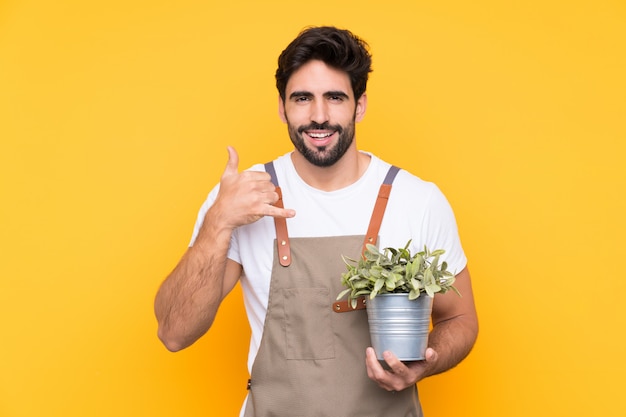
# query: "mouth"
319,135
320,138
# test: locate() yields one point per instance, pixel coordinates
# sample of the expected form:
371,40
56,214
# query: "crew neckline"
292,175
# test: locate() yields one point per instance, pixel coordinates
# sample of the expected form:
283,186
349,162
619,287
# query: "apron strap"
282,237
379,208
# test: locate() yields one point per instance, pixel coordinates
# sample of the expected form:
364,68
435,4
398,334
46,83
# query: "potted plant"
400,287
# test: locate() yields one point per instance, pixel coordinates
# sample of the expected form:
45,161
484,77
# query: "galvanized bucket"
399,325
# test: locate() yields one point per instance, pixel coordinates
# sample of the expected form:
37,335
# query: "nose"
319,112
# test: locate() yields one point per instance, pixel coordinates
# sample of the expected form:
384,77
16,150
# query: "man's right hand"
245,197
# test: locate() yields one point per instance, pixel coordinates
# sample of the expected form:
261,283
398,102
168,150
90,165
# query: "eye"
336,98
300,97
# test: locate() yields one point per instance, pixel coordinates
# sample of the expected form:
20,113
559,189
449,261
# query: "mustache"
320,126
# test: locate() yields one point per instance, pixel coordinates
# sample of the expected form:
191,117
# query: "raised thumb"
232,166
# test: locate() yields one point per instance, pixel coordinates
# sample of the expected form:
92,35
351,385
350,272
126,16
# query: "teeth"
320,135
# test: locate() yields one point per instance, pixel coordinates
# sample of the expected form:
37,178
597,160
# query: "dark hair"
337,48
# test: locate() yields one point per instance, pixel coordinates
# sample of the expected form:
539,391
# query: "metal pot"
399,325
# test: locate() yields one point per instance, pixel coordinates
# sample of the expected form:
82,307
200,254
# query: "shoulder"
405,183
410,192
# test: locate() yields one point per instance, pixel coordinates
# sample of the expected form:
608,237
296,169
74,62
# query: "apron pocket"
308,331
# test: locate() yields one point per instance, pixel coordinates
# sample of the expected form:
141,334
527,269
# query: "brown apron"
311,361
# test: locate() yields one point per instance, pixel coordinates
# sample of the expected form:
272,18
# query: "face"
320,112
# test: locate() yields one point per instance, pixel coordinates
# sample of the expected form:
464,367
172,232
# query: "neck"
342,174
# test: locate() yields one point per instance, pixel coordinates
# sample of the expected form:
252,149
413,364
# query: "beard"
322,156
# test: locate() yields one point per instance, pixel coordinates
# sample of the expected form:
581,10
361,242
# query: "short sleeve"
442,232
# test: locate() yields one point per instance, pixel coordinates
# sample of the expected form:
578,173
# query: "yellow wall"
114,118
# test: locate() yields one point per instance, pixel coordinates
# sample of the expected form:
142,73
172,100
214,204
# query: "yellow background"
114,122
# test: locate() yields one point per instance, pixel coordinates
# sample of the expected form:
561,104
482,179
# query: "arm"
188,299
187,302
455,328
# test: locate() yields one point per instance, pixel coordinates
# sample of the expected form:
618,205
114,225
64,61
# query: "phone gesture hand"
247,196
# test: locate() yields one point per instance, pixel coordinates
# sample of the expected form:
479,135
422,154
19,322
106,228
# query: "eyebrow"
297,94
337,93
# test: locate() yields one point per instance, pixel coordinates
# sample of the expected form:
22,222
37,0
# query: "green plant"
396,271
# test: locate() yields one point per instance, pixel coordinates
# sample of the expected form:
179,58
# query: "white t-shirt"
416,210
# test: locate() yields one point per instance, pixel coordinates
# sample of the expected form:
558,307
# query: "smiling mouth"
319,136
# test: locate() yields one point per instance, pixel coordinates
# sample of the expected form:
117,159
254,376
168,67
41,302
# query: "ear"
281,109
361,106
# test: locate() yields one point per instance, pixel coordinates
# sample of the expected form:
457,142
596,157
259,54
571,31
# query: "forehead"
318,78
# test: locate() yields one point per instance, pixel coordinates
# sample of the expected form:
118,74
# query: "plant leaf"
414,294
343,293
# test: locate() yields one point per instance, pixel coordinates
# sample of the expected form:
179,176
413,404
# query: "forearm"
453,340
187,302
455,326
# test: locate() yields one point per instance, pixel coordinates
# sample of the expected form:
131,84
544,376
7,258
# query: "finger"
396,366
374,368
280,212
376,372
370,354
232,166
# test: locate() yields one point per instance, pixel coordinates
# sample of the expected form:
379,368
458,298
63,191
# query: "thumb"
431,355
232,166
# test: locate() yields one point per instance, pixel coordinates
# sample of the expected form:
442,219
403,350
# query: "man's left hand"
400,375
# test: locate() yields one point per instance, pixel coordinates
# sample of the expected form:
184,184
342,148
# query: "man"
305,359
